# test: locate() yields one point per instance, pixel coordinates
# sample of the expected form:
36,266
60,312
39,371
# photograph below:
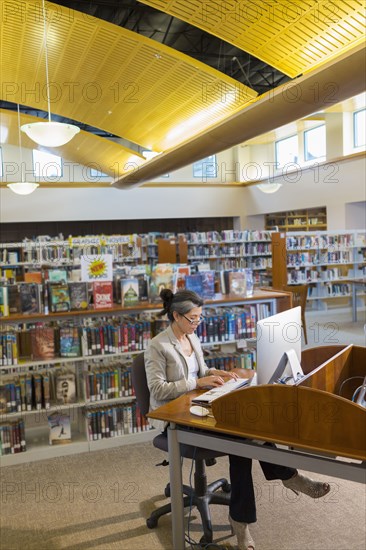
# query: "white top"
192,366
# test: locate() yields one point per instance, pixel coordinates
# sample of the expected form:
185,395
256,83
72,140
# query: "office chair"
299,296
202,494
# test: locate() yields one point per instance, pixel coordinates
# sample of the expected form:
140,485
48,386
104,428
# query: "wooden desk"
229,430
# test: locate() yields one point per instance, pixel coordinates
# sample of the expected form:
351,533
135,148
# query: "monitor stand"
288,358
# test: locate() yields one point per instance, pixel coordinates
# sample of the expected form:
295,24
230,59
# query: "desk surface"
177,412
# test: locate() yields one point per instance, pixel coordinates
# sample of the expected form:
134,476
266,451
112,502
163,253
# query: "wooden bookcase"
307,219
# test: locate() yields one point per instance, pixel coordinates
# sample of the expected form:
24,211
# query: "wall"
333,185
138,203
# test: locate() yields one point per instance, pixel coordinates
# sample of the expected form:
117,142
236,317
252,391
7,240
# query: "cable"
348,380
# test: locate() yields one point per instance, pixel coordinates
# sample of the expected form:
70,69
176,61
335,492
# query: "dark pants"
242,502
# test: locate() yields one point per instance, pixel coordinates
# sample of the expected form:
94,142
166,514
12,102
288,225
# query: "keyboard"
210,395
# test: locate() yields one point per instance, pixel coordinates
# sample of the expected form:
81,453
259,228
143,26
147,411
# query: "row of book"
227,235
227,361
106,422
319,241
101,337
108,382
330,289
231,325
12,437
37,390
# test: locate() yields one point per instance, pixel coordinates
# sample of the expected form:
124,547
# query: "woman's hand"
225,374
211,381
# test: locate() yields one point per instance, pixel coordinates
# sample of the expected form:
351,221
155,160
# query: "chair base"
200,496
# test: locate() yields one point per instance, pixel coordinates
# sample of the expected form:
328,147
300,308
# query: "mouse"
199,411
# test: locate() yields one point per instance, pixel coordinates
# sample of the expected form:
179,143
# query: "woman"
174,364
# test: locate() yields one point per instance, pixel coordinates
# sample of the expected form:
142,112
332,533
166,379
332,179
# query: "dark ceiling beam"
336,81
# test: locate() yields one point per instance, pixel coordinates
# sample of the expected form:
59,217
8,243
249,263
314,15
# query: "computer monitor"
279,346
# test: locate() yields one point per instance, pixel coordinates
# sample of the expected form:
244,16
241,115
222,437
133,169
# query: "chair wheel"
167,491
151,523
226,487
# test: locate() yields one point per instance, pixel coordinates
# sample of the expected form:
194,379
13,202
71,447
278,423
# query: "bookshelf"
95,417
307,219
231,249
327,261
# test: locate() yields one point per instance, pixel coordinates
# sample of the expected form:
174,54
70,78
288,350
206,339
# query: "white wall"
110,204
332,185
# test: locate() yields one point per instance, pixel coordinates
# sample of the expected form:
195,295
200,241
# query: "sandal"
302,484
241,531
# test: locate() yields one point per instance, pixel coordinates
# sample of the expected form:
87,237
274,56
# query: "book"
59,297
30,298
59,428
237,283
43,343
103,294
4,303
13,299
129,292
180,275
58,276
70,342
33,277
78,296
65,387
162,276
194,283
143,286
208,283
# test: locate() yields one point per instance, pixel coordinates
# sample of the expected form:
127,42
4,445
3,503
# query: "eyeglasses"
194,321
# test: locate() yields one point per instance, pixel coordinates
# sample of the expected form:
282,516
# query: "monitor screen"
277,335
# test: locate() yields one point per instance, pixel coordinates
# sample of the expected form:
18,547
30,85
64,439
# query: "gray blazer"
167,370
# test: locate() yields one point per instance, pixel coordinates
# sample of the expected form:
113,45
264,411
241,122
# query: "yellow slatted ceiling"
111,78
87,149
292,36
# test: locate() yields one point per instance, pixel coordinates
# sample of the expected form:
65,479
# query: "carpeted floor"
101,500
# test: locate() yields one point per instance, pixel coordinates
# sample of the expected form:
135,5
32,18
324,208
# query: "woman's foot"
241,531
302,484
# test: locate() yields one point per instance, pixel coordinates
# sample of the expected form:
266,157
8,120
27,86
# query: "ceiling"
157,74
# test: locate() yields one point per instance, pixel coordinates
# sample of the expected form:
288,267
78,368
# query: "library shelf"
34,422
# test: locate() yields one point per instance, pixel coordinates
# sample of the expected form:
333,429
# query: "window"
287,151
46,165
95,173
1,162
205,168
359,123
314,143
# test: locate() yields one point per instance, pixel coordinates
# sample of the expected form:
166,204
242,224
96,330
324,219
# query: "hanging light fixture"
22,187
269,187
49,134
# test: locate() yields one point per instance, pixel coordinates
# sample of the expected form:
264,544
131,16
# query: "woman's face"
189,321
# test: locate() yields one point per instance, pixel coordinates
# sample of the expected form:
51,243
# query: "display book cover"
59,425
30,298
162,276
102,294
79,299
202,283
59,297
4,301
129,291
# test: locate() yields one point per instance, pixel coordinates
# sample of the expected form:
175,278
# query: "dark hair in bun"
182,302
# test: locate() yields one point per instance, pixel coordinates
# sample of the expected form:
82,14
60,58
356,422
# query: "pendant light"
22,187
49,134
269,187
